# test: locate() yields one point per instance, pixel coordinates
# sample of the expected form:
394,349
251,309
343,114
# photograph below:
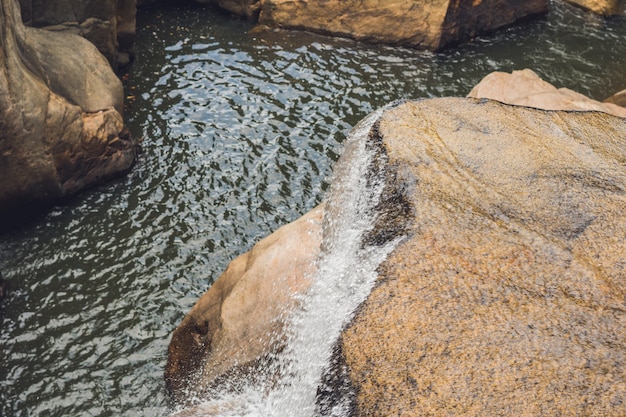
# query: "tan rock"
617,98
239,321
61,128
428,24
108,24
602,7
509,295
526,88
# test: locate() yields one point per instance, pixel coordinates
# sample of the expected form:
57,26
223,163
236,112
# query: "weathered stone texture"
507,295
61,128
508,298
108,24
428,24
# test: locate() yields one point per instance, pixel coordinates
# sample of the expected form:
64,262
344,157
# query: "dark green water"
240,131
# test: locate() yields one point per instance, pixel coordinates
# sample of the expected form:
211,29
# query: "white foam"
345,275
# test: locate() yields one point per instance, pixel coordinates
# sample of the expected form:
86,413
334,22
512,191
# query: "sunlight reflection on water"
240,131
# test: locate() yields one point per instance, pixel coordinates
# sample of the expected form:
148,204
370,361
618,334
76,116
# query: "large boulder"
108,24
61,128
505,296
508,295
602,7
239,321
427,24
526,88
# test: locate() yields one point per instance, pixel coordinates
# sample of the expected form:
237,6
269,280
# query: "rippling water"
240,130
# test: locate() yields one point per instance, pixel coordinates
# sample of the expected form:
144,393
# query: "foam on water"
344,277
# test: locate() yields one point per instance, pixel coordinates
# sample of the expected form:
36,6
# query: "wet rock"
508,296
243,8
248,9
108,24
61,128
238,322
422,24
525,88
602,7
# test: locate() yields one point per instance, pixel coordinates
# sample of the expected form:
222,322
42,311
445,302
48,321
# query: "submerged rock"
423,24
508,295
61,128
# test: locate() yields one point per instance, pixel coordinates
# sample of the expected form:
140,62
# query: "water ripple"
240,131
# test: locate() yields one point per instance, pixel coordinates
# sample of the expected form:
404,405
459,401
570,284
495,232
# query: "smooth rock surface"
239,320
61,128
427,24
618,98
508,296
526,88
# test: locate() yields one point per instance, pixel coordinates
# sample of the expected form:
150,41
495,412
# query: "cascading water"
345,274
240,130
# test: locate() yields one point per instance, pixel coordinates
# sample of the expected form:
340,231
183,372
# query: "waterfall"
345,274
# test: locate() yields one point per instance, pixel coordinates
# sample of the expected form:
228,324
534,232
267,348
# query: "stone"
248,9
239,320
508,294
617,98
61,125
245,8
426,24
526,88
108,24
601,7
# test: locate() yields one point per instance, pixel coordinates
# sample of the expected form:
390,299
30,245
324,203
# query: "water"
240,132
346,272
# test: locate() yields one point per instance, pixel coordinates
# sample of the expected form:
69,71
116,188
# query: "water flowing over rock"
422,24
61,127
508,297
315,272
504,291
240,320
526,88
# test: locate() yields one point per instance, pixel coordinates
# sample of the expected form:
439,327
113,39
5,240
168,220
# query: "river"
240,129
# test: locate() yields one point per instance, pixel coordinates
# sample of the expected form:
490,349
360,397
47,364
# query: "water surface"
240,131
